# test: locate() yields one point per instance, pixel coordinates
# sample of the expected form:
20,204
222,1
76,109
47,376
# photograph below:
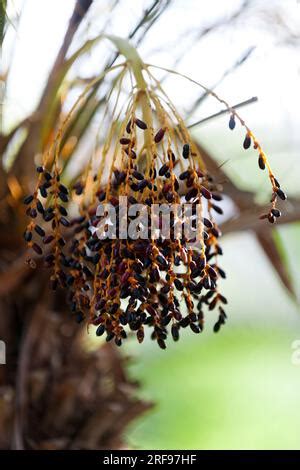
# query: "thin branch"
238,63
249,219
252,100
242,199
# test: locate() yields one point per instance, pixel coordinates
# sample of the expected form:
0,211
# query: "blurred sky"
271,73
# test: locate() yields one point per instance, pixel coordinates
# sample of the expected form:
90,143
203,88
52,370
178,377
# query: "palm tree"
55,393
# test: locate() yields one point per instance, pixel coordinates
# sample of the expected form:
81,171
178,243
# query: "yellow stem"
137,65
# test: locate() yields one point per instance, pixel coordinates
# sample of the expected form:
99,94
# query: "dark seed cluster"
126,285
122,285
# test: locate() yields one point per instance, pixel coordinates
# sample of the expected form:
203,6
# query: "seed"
70,280
128,127
132,200
217,209
139,176
281,194
217,197
261,162
109,337
176,184
78,188
37,249
175,332
222,313
63,196
28,199
271,219
118,342
47,184
141,124
165,289
43,191
142,185
184,322
222,273
159,135
217,327
232,122
166,320
49,258
205,193
170,197
151,310
125,277
62,241
223,299
123,334
140,335
162,261
178,284
114,308
276,182
125,141
134,187
207,222
63,189
48,216
171,156
247,142
33,213
27,236
39,230
195,328
212,272
191,194
62,210
40,207
48,239
47,176
219,250
276,212
190,182
100,330
163,170
186,151
184,175
96,258
161,343
64,222
154,275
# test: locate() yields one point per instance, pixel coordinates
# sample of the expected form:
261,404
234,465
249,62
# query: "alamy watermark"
140,221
